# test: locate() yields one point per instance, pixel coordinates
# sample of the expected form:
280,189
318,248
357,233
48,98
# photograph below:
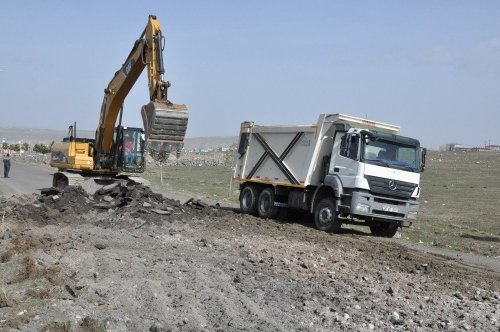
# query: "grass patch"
209,183
460,203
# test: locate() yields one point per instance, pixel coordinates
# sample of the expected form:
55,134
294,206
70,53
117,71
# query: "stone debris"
128,255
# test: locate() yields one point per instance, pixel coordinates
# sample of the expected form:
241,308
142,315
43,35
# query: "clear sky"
432,67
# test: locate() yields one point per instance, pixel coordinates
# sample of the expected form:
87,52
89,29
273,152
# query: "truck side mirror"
423,153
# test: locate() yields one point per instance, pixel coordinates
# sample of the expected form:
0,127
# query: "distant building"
492,147
454,147
461,148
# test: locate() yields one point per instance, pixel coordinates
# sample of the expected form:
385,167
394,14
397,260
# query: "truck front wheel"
384,229
248,199
265,207
325,216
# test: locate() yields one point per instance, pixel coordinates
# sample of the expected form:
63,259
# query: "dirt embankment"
126,259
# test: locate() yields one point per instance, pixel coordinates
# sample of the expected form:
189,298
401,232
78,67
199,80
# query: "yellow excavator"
117,149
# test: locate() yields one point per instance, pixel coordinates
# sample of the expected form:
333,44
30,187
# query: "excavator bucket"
165,125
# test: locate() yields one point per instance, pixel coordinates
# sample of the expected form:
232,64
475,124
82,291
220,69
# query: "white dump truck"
342,170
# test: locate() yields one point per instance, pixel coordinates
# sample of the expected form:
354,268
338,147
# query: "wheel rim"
265,203
325,216
246,200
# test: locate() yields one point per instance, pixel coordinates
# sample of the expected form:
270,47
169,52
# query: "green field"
460,203
209,183
460,200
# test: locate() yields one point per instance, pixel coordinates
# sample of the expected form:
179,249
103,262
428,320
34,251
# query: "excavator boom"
118,149
164,123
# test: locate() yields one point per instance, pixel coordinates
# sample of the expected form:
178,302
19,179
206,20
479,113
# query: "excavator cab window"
132,150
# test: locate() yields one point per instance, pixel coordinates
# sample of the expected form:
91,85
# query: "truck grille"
390,187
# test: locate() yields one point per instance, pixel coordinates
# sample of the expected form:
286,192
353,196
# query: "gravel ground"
126,259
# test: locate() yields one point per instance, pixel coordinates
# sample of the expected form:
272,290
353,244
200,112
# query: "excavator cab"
130,150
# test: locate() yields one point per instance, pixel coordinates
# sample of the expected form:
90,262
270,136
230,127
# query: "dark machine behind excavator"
117,148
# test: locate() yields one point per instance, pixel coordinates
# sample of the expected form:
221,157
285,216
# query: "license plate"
389,208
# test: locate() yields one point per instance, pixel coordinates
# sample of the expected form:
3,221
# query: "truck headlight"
412,215
363,208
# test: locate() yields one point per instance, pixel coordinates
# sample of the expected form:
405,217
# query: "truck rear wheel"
265,206
249,197
384,229
325,216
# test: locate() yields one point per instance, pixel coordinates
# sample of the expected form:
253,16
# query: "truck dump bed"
292,155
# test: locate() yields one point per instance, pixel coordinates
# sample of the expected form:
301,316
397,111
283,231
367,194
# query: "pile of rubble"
71,204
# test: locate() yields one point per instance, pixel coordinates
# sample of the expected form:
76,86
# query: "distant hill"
32,136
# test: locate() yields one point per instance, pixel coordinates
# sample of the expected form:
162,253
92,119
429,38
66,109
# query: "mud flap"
165,126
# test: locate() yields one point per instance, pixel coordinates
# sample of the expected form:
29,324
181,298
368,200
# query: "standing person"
6,165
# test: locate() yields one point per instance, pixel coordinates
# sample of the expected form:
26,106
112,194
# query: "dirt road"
24,179
128,260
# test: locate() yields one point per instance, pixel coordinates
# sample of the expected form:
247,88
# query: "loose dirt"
127,259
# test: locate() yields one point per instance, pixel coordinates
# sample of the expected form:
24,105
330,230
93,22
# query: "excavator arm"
165,123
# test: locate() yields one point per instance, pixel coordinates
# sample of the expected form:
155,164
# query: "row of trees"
40,148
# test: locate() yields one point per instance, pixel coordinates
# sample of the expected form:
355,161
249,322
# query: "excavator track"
63,179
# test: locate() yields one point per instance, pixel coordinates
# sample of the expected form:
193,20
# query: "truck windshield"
388,153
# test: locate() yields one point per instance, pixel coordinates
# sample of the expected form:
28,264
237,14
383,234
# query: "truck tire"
384,229
325,216
265,206
249,197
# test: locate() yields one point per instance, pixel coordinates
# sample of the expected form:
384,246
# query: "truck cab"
376,176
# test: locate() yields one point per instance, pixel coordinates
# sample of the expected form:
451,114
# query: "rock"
198,204
50,191
108,188
146,204
108,198
103,206
70,290
162,212
156,327
396,318
55,197
100,246
466,326
90,186
391,291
